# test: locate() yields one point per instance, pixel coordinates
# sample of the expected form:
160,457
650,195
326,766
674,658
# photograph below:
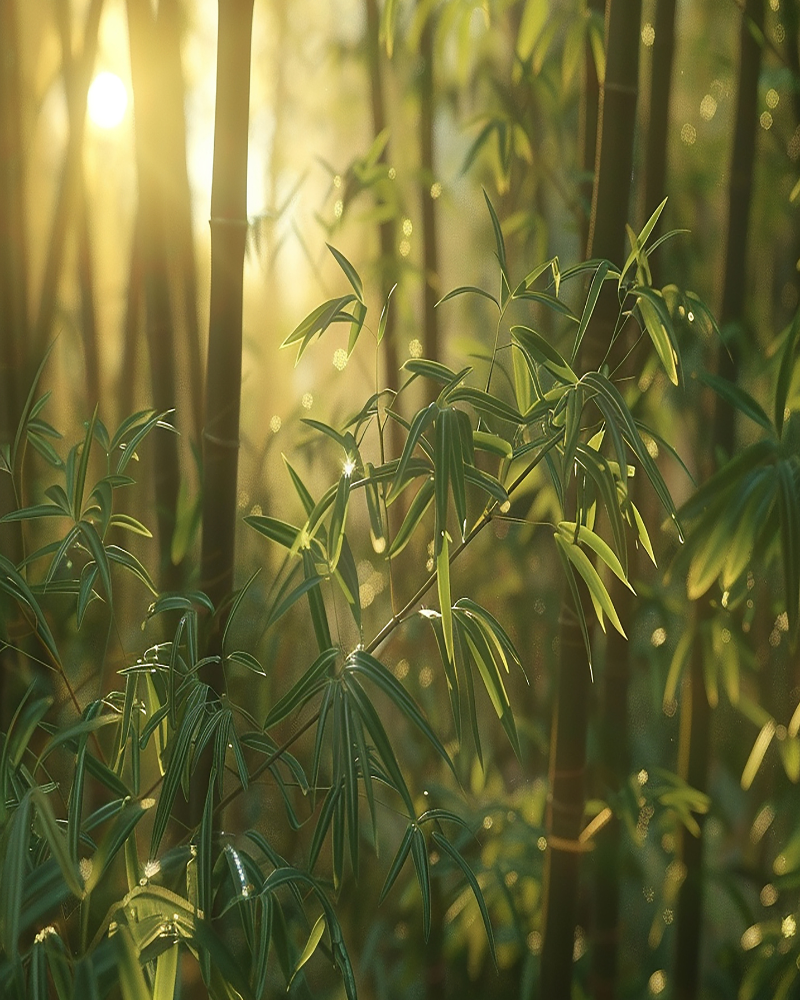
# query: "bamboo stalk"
224,369
13,305
610,202
69,181
430,250
386,230
696,744
178,199
147,91
228,235
590,107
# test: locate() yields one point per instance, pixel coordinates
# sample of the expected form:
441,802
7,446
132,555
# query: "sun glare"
107,100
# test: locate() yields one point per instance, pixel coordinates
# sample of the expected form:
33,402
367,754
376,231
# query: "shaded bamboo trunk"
178,200
590,108
126,386
696,755
386,230
616,127
613,768
228,235
13,307
224,369
13,239
613,763
149,136
430,250
70,179
655,170
76,105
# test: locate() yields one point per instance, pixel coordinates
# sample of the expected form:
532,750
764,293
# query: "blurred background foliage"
377,127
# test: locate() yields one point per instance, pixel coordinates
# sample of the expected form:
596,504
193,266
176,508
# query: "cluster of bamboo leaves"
576,427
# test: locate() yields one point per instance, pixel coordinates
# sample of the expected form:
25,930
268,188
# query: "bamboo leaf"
131,977
498,237
580,533
785,373
444,845
363,663
398,862
600,276
420,423
419,855
371,719
434,370
658,332
484,402
596,587
314,939
760,747
443,587
338,520
384,317
166,973
464,289
350,272
303,689
14,869
416,511
538,348
737,398
789,512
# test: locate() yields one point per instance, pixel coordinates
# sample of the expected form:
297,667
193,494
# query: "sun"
107,100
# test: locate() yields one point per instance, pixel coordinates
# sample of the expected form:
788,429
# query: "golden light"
107,100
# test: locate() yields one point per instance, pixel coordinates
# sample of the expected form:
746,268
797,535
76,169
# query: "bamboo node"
569,846
221,220
232,443
622,88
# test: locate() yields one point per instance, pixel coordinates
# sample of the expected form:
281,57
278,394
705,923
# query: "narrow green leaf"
464,289
350,272
398,862
384,318
422,420
131,977
538,348
498,237
789,512
434,370
596,587
15,864
785,372
484,402
570,532
362,662
419,855
166,973
372,721
302,689
756,757
738,399
314,939
600,276
447,848
416,512
443,587
576,600
338,520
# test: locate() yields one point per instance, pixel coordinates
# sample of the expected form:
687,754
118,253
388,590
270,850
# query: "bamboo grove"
466,665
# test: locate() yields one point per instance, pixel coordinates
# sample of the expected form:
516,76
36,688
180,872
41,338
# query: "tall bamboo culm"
13,299
695,737
610,209
224,369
